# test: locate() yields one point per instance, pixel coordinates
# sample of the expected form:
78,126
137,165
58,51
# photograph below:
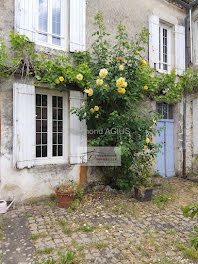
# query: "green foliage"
87,228
68,257
49,261
191,252
44,251
161,200
191,211
52,196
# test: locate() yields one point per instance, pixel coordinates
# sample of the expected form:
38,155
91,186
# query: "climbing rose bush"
120,82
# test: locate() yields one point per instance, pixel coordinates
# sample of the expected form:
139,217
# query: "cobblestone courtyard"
105,228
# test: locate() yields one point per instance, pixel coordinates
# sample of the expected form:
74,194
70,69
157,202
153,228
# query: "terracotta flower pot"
64,198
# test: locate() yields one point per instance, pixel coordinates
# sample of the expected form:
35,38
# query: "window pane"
44,126
54,110
56,41
60,138
165,111
44,100
38,138
57,125
43,19
38,151
41,125
54,138
60,114
60,150
38,126
54,126
54,101
38,100
60,102
56,22
44,138
44,113
54,150
170,112
44,151
38,113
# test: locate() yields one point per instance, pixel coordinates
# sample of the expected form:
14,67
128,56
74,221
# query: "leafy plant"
191,211
68,257
161,200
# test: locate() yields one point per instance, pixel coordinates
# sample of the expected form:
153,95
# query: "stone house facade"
32,162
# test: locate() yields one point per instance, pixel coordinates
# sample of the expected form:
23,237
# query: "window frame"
58,159
63,28
162,26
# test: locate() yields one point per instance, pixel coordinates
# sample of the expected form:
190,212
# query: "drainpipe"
184,99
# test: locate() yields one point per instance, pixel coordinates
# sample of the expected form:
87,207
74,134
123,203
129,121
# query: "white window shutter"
179,49
154,41
78,131
25,18
195,126
23,125
77,25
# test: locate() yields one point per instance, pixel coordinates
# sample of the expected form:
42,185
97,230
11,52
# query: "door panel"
165,157
160,159
169,146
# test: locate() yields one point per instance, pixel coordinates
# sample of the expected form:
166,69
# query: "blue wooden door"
165,157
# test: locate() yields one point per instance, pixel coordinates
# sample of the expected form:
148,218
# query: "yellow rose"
92,110
96,108
154,121
79,77
147,140
123,91
145,147
57,81
122,60
120,82
116,58
86,91
88,83
83,104
90,93
143,63
152,137
137,51
99,82
121,67
105,86
61,79
103,73
97,116
145,87
124,84
120,90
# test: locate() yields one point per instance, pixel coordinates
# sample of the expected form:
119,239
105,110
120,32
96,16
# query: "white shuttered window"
44,131
46,22
162,45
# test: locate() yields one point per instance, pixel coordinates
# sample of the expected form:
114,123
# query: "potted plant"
65,194
143,186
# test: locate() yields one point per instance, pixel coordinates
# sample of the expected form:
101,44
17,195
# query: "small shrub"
161,200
